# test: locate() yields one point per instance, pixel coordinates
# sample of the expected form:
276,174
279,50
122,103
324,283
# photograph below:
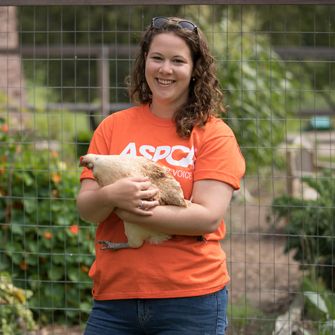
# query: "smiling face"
168,71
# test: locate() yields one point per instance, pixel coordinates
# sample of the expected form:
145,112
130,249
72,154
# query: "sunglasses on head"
161,21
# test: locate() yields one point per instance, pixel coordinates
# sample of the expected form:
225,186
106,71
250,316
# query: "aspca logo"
177,155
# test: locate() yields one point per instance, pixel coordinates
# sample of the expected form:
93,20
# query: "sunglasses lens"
187,25
160,21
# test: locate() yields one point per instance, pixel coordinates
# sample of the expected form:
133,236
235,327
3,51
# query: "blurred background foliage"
48,248
263,92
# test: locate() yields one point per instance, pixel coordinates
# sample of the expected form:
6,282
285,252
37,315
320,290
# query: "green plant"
82,140
259,88
310,227
59,126
48,248
15,316
319,305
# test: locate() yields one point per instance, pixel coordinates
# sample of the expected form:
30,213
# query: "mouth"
165,82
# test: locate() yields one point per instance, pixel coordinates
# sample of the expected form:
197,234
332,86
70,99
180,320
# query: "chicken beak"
81,161
86,163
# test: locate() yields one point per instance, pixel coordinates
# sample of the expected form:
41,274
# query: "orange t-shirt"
182,266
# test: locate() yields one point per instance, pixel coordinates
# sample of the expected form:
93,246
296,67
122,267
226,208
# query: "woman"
178,286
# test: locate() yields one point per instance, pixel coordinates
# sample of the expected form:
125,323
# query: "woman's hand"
136,195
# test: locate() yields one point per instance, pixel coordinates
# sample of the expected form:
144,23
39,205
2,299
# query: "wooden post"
103,80
289,173
12,83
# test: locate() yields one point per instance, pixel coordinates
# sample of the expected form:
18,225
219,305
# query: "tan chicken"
109,168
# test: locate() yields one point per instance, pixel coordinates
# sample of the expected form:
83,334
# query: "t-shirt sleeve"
219,157
100,144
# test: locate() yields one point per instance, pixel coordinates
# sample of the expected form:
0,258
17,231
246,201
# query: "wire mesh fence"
63,70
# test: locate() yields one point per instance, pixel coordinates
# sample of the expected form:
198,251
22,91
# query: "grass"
244,319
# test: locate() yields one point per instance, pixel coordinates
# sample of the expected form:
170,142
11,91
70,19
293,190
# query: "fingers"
136,195
145,185
145,206
146,188
149,194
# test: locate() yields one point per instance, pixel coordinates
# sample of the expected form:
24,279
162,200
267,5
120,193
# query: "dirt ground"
261,273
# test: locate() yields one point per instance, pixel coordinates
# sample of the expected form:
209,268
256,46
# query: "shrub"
82,140
48,249
319,305
15,317
311,226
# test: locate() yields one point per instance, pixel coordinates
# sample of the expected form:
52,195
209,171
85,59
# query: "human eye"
156,57
178,61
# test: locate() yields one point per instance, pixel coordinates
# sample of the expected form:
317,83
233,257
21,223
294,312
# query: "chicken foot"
108,245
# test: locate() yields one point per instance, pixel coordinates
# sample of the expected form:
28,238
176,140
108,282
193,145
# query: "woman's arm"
96,203
210,199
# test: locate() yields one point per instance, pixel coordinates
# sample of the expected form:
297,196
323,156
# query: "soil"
262,274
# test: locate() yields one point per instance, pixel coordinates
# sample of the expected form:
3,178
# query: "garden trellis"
63,66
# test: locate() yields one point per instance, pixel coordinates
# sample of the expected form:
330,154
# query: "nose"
165,67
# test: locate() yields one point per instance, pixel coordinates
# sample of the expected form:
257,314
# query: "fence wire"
63,70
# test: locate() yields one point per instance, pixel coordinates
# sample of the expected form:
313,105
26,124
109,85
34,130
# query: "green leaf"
4,264
30,205
328,328
85,307
32,246
316,299
56,272
58,259
28,180
73,274
17,229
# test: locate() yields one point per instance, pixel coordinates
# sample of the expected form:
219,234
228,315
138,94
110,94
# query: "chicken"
109,168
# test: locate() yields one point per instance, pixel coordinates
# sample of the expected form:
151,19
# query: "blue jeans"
201,315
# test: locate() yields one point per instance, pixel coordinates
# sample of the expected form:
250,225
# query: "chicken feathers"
109,168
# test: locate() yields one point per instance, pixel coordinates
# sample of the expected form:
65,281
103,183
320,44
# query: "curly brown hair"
205,98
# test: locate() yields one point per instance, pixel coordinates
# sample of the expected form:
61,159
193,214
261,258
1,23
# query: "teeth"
165,81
